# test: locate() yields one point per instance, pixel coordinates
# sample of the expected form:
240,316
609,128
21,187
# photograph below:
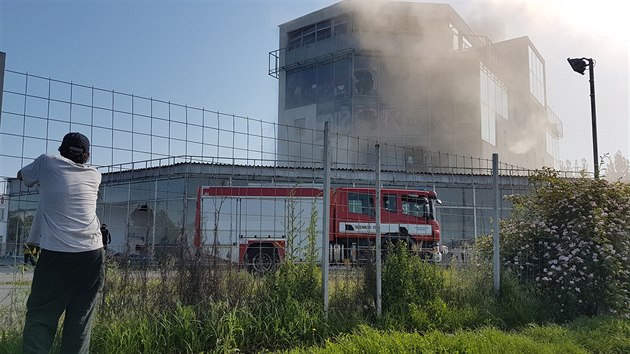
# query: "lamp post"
579,66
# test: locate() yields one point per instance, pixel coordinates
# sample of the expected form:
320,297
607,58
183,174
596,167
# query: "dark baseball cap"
76,142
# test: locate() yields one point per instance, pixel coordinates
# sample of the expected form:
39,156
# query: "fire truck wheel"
261,260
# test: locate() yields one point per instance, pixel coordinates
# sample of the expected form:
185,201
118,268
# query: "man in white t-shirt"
69,272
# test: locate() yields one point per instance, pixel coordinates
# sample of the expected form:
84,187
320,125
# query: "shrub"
571,239
409,279
411,289
299,281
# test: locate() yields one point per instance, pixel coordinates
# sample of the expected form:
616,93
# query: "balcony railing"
288,58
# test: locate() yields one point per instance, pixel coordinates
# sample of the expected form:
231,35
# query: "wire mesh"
156,156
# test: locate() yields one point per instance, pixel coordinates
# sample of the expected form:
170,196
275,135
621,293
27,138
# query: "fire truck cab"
406,215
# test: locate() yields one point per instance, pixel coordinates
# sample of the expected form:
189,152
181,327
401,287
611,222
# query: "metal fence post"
497,215
326,217
377,206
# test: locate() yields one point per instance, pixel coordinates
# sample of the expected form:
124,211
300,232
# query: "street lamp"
579,65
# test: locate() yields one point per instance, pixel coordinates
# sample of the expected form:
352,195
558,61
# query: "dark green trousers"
62,282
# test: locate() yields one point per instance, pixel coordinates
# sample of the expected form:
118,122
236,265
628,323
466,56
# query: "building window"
324,30
340,28
536,77
342,78
552,146
318,84
455,33
365,76
466,43
342,115
493,102
317,32
308,36
309,86
325,83
295,39
293,89
459,42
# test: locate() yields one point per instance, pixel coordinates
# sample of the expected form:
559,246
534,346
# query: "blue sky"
201,53
214,54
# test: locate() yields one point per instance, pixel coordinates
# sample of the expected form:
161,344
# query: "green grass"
16,283
602,334
594,335
184,333
11,340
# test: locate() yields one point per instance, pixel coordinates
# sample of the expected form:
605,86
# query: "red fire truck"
260,226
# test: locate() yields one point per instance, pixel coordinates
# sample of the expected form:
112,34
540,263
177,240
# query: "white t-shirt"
35,234
66,215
